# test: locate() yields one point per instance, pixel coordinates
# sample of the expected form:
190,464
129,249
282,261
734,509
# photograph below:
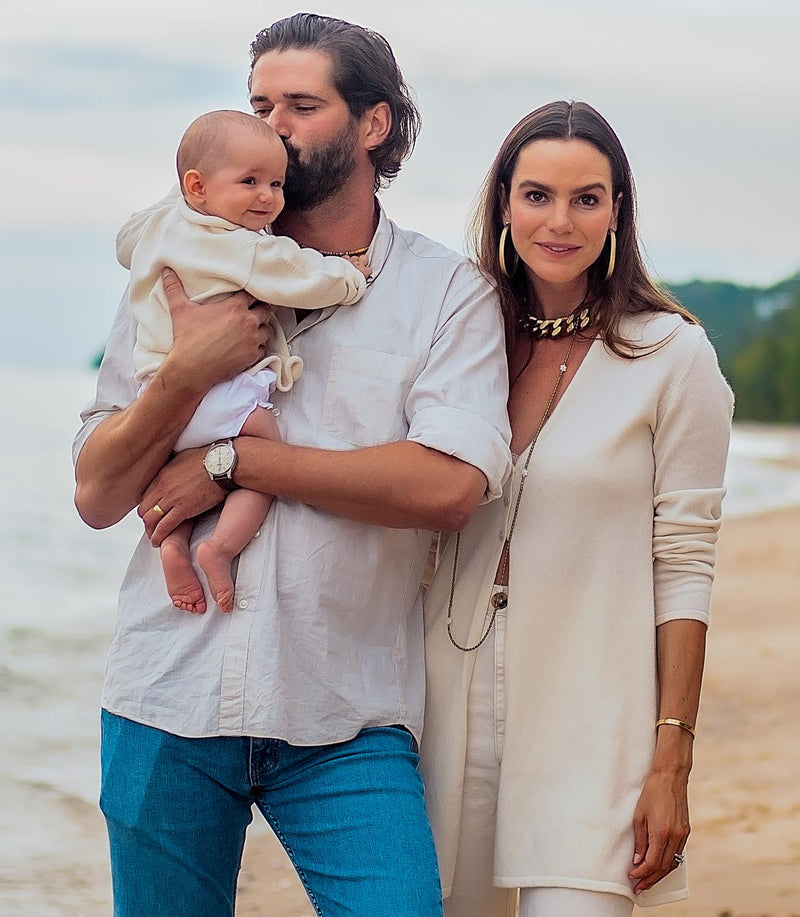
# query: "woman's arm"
661,821
125,452
690,445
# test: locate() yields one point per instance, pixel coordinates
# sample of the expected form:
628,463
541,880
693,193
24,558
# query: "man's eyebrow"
290,96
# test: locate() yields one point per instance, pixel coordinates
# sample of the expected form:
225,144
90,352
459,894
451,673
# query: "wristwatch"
219,462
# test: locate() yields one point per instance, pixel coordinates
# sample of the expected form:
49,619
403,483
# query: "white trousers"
473,894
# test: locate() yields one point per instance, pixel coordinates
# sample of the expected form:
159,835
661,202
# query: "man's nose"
278,122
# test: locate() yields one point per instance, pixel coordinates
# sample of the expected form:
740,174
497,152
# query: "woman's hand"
181,490
214,342
661,827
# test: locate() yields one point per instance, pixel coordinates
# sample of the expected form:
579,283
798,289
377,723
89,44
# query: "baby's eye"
248,181
277,184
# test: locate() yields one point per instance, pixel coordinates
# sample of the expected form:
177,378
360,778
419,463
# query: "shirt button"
502,536
242,603
505,503
257,533
289,347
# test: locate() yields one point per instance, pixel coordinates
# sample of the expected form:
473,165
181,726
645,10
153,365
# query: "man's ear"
377,122
194,186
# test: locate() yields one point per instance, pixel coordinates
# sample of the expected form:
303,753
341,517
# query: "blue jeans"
351,817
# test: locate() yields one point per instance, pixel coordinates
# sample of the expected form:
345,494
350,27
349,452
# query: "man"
306,700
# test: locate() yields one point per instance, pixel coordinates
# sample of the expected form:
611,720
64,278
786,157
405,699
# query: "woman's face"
560,206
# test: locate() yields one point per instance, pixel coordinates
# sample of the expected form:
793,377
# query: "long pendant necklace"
499,599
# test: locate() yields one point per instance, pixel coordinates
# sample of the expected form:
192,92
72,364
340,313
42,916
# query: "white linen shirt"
326,635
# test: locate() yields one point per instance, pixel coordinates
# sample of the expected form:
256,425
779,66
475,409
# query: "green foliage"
757,336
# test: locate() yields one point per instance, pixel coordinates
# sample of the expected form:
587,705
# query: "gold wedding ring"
157,510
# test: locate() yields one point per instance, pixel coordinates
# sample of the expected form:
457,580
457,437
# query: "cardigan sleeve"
283,274
690,446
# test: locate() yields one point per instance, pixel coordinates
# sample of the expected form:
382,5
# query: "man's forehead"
292,74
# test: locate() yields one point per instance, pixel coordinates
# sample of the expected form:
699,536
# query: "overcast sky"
95,96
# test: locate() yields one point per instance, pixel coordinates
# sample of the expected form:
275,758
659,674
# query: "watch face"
219,459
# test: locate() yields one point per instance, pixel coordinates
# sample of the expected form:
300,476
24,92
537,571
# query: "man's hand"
181,490
214,342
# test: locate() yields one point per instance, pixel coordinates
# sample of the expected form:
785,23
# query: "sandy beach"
744,852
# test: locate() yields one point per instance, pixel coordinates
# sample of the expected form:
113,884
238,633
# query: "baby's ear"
194,185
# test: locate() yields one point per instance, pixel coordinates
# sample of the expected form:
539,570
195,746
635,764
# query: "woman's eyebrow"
584,189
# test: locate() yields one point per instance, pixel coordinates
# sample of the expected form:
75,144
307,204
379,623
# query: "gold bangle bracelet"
668,721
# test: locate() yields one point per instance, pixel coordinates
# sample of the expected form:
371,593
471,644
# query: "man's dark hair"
364,72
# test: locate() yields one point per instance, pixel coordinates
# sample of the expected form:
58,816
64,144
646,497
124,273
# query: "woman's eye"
588,200
536,196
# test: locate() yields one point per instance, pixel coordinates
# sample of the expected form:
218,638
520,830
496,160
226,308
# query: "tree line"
756,332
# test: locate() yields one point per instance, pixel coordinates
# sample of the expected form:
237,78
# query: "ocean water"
59,581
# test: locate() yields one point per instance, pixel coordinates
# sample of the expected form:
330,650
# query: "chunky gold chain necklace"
555,327
500,599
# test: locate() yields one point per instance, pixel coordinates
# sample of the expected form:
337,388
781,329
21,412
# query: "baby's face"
247,188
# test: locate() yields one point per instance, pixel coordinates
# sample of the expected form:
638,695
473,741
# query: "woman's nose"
560,220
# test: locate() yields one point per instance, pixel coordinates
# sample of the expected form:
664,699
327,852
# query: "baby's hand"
360,262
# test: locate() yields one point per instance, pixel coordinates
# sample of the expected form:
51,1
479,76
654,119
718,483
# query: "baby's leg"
182,583
241,517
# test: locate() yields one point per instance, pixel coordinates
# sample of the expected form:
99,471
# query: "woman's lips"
554,248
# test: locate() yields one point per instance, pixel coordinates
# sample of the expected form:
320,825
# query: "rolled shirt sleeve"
690,447
457,404
116,388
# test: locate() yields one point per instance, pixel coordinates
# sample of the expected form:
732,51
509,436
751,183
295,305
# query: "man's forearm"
401,485
125,452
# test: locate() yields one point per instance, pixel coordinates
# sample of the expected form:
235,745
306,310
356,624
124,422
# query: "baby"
231,168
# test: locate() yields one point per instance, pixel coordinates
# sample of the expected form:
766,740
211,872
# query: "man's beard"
318,173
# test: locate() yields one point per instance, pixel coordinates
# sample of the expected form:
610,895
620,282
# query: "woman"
559,722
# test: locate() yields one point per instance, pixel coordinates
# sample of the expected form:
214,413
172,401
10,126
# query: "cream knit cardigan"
616,534
213,258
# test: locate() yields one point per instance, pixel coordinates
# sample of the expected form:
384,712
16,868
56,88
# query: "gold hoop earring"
612,253
502,252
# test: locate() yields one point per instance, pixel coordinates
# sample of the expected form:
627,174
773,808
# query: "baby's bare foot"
216,564
183,586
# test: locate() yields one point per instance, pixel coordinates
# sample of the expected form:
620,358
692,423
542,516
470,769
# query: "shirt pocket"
366,394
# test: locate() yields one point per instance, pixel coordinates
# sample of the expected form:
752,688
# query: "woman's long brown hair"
629,290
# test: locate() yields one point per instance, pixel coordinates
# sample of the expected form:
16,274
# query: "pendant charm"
499,600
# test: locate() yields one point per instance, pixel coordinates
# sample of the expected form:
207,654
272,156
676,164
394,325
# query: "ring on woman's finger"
157,510
679,857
